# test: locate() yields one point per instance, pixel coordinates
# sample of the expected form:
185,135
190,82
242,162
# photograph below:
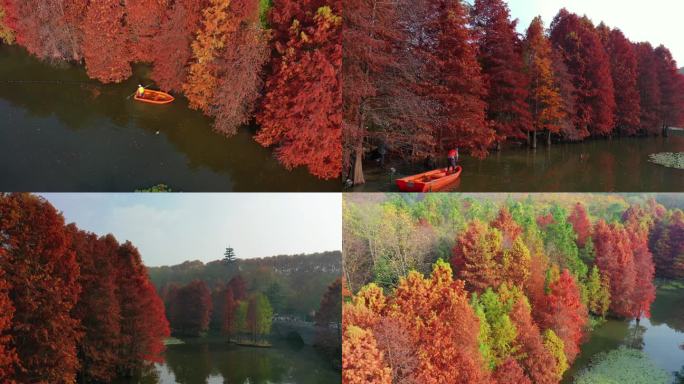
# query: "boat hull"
432,181
154,97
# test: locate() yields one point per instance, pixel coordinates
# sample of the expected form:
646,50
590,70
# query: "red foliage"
564,313
191,309
510,372
649,88
98,307
475,257
8,357
580,223
144,20
105,44
331,305
239,287
502,66
48,29
42,274
545,220
301,112
171,50
229,306
508,227
615,259
668,80
623,65
143,324
589,65
644,290
537,362
459,88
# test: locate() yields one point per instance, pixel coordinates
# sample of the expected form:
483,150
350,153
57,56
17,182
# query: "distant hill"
303,279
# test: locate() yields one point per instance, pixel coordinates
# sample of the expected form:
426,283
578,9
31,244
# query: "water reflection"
213,361
60,130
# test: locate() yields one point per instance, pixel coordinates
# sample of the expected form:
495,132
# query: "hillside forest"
239,298
450,288
272,63
422,77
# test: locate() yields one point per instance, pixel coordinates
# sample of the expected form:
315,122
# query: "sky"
171,228
655,21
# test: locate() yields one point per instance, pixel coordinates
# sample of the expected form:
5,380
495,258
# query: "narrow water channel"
661,337
60,131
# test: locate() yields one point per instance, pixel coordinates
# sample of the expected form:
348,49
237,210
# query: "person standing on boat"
141,90
452,156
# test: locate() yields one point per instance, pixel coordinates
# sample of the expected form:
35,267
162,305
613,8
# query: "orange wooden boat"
432,181
154,97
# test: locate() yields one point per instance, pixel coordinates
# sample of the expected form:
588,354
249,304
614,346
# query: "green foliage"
587,253
500,332
156,188
275,296
597,293
264,7
241,317
264,314
556,346
623,366
560,242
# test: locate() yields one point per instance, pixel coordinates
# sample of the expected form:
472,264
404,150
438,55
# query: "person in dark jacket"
452,157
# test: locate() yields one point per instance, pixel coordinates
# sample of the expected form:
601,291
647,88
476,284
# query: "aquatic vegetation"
156,188
668,159
625,366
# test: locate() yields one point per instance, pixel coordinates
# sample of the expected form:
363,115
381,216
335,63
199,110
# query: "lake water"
212,361
617,165
60,131
661,337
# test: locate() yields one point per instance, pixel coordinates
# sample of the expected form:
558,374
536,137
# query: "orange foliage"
105,44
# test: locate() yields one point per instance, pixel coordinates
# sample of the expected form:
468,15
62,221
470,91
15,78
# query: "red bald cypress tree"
649,89
476,257
644,292
48,29
668,80
564,313
105,44
191,309
568,92
500,56
171,51
301,112
8,357
143,323
580,223
144,19
537,362
510,372
623,66
42,275
509,228
457,84
239,287
615,259
97,308
544,97
229,306
589,66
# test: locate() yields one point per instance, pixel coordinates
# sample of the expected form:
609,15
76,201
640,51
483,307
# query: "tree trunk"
548,139
358,165
534,139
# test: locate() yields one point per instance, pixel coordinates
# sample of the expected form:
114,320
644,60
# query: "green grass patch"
668,159
156,188
623,366
173,341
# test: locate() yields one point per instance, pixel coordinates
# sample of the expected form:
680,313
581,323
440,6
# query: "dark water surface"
661,337
617,165
213,361
60,131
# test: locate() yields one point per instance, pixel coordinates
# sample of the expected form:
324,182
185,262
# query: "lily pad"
668,159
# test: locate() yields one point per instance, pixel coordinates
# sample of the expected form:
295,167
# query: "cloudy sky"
171,228
656,21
